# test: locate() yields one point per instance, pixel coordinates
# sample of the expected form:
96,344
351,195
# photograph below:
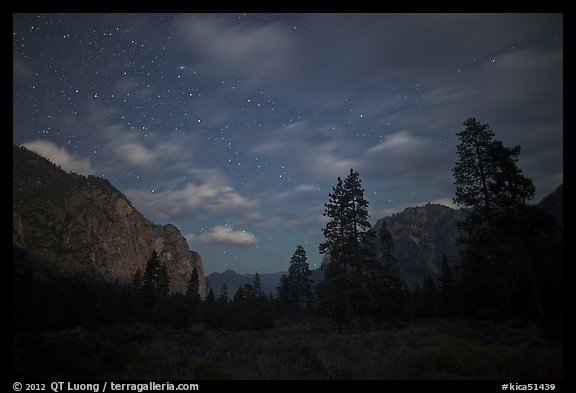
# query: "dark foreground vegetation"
426,349
80,328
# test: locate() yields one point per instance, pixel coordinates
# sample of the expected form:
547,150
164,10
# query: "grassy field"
419,350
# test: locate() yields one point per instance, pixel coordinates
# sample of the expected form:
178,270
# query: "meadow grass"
433,349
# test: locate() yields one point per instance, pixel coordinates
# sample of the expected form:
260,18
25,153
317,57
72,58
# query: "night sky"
235,127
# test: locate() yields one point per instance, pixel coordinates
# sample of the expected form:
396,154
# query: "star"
251,119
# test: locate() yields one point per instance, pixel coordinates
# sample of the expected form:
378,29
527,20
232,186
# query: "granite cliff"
69,223
422,235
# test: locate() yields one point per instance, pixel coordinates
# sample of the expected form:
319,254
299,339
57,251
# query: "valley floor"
434,349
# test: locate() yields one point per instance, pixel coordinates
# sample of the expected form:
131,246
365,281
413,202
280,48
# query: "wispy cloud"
310,149
191,201
181,189
21,69
60,156
299,194
134,88
224,235
255,54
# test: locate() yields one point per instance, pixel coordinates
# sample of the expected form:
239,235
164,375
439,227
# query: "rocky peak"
422,235
70,223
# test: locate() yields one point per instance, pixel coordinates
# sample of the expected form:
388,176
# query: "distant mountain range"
235,280
422,235
270,281
66,223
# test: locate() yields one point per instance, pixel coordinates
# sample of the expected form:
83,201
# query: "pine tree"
351,284
193,299
339,288
155,288
357,210
257,285
223,298
498,256
250,309
299,282
193,284
284,301
155,280
385,246
510,188
223,307
336,229
488,180
472,171
210,310
336,288
193,289
163,281
261,312
389,288
240,314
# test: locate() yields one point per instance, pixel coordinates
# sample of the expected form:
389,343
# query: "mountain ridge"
234,280
69,223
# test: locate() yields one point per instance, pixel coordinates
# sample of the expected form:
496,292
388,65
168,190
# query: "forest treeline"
511,268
